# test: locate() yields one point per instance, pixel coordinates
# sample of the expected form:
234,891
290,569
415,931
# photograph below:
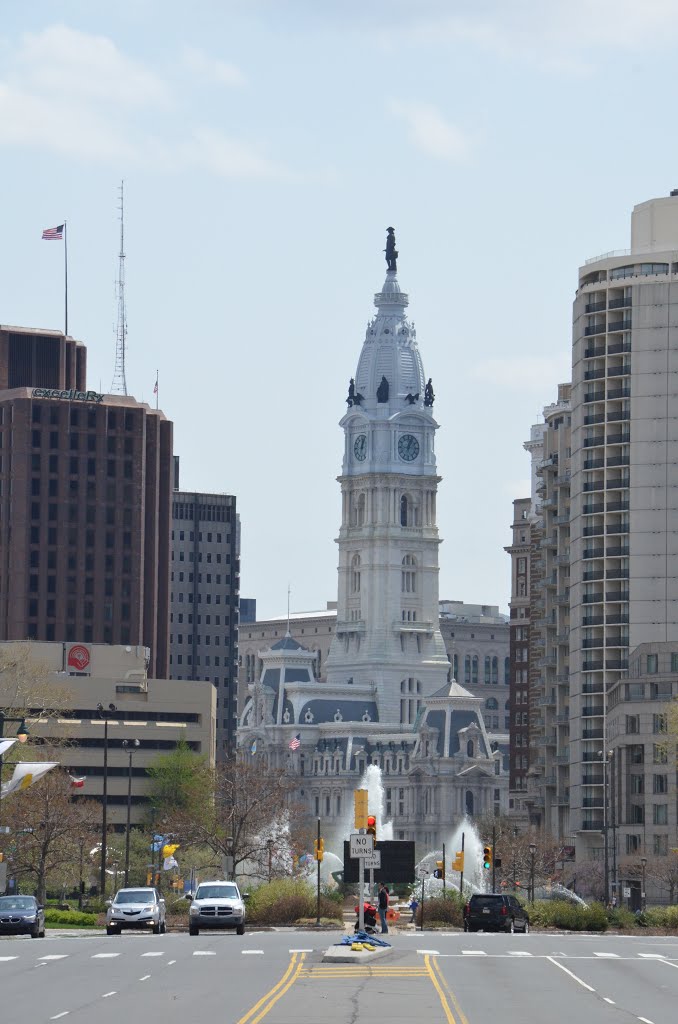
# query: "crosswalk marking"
614,956
428,952
474,952
154,953
7,958
103,956
246,951
54,956
652,956
519,952
204,952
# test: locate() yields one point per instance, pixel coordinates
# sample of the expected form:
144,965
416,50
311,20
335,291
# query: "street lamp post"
533,850
129,746
643,901
424,873
269,846
606,841
613,825
105,714
21,735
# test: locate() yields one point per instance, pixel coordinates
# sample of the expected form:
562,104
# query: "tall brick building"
85,485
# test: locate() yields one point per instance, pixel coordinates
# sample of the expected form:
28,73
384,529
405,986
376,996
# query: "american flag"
295,743
155,389
53,234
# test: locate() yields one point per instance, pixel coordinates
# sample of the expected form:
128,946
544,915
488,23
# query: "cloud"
231,158
431,133
211,68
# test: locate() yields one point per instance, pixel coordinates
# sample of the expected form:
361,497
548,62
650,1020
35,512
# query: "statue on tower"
382,391
429,395
354,397
390,250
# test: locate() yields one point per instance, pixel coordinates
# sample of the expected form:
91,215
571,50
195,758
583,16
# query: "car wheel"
466,927
511,926
240,929
471,928
42,934
526,927
163,928
192,930
35,932
112,931
156,929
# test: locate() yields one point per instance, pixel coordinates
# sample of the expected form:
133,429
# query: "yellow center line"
460,1013
441,995
287,980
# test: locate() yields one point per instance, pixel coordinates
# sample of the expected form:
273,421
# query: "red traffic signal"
372,826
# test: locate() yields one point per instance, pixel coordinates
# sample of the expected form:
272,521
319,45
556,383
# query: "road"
279,978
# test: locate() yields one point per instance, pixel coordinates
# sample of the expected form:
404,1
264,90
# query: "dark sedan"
22,915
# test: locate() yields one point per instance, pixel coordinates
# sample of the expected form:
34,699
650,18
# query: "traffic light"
440,869
318,848
372,827
458,862
487,857
360,807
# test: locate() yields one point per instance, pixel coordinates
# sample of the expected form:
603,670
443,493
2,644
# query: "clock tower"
387,633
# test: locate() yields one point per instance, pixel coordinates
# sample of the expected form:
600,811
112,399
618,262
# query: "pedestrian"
414,905
383,907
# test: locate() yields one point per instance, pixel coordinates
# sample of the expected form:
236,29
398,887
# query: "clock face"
360,447
408,447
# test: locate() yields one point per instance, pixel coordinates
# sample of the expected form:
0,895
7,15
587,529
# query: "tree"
664,872
48,823
246,808
180,780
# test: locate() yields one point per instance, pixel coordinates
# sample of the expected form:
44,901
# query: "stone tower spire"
387,632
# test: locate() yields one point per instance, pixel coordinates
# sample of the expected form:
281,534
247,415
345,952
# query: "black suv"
495,912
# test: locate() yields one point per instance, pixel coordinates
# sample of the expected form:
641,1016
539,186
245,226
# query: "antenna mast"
119,385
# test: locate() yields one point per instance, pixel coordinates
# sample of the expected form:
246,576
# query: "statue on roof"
382,391
390,250
354,397
429,396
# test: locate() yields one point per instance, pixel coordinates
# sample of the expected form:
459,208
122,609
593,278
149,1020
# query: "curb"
345,955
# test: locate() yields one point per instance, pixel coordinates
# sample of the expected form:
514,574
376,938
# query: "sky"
265,146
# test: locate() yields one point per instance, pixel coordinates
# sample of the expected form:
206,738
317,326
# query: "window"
632,723
507,671
652,664
659,754
408,583
660,846
660,814
659,723
488,669
660,784
355,574
632,843
474,670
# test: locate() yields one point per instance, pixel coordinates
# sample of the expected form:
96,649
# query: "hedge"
287,900
561,914
71,917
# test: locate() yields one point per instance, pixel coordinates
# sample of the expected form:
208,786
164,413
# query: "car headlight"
146,909
30,917
193,909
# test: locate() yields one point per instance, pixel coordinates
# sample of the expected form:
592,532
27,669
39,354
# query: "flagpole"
157,395
65,279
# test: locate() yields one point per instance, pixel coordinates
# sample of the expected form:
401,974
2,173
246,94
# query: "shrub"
622,917
448,909
660,917
560,914
74,918
286,900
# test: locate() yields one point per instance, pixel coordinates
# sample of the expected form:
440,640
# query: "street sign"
627,893
361,846
373,860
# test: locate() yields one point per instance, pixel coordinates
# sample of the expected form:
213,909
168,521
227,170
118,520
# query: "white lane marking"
107,994
519,952
64,1013
614,955
154,953
8,958
203,952
55,956
145,977
651,956
103,956
246,951
428,952
574,976
299,950
170,962
473,952
645,1020
608,1000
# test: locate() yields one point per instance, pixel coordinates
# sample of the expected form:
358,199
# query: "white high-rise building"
387,631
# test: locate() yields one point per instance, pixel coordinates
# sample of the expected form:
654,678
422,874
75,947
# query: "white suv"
136,908
217,905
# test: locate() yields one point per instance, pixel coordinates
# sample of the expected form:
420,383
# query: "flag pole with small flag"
295,742
155,389
58,234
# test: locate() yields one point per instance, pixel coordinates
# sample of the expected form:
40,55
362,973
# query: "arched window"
487,669
403,510
474,670
495,669
410,513
455,666
355,574
492,704
467,669
469,803
507,671
469,748
408,582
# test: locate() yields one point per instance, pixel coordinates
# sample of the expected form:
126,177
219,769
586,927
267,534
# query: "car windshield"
217,892
17,903
135,896
487,901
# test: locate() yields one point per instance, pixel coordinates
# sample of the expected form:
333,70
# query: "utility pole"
461,876
494,862
444,872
